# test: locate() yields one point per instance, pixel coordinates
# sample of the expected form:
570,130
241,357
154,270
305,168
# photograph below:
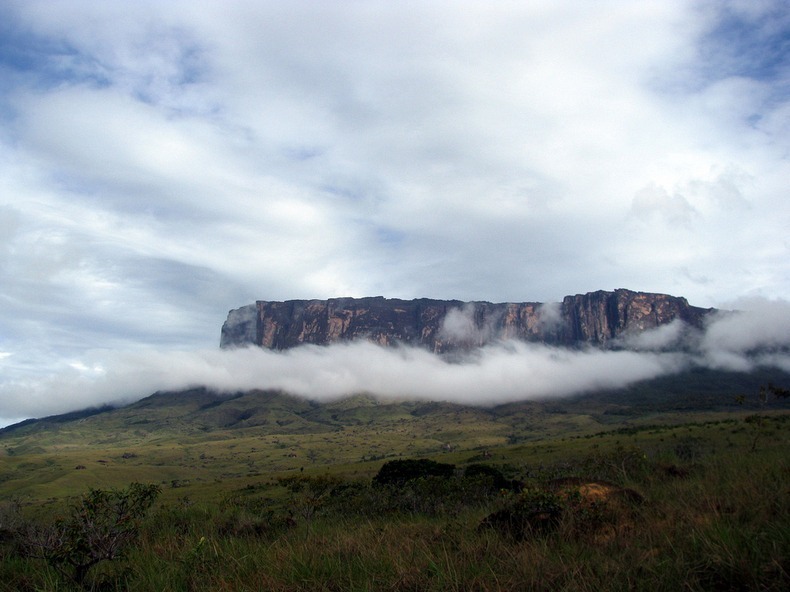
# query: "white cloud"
460,325
654,201
760,325
550,315
161,163
512,371
673,335
507,371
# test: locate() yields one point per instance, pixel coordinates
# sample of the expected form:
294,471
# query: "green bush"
396,472
101,527
309,494
478,470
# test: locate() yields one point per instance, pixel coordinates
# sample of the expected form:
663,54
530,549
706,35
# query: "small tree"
100,528
308,494
757,420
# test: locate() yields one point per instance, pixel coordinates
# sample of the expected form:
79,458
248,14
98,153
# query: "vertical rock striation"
597,318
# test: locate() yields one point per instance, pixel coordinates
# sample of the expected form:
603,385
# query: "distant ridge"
599,319
200,412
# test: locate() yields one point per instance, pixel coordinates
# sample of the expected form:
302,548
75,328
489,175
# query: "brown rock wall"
596,318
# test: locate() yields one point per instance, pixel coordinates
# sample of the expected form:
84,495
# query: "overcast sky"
164,162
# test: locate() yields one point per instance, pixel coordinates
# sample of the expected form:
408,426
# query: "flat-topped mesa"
597,318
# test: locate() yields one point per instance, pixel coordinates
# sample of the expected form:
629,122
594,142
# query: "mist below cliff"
497,373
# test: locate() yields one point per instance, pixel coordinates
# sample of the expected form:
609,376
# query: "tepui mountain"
600,319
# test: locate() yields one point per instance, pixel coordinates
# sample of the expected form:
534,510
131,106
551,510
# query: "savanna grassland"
261,491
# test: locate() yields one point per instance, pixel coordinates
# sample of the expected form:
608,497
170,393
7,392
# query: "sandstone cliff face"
597,319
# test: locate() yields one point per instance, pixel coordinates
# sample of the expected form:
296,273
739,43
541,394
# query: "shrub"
478,470
100,528
397,472
534,512
309,494
581,507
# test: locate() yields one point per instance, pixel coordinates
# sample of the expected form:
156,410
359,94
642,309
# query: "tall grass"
714,519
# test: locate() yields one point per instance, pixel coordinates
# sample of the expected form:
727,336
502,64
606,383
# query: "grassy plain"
714,485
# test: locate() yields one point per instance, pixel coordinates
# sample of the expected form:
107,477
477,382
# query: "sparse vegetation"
100,527
676,502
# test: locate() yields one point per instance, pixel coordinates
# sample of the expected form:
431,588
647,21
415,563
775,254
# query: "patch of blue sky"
734,43
7,111
753,45
46,63
193,65
40,62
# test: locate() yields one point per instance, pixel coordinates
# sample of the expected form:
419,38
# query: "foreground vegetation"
694,506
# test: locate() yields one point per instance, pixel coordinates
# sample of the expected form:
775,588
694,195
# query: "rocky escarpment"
600,319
